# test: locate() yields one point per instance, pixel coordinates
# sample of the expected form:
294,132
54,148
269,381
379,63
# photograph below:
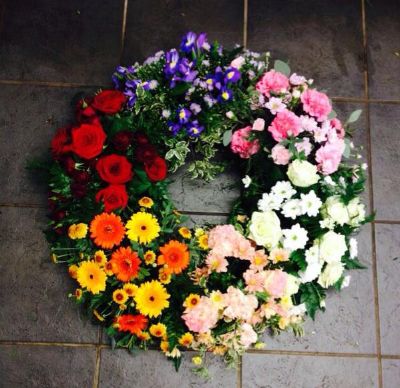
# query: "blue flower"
171,62
202,42
174,128
183,115
194,129
232,75
225,95
188,42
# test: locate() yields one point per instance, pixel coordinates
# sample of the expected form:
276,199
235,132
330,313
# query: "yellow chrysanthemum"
151,298
142,227
76,231
185,232
164,346
100,258
186,339
91,277
191,301
149,257
146,202
120,296
158,330
73,271
197,360
199,232
203,241
130,289
143,336
164,276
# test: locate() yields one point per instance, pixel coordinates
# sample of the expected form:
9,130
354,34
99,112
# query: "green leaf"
262,295
347,149
282,67
332,115
354,116
352,263
226,139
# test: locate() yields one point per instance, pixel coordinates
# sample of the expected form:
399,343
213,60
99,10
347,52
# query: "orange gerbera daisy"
125,264
135,324
175,256
107,230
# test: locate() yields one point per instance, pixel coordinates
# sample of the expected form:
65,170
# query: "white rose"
302,173
337,210
331,274
265,229
332,247
312,271
356,211
292,285
238,62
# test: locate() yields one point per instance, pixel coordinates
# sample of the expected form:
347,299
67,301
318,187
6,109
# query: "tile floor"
50,51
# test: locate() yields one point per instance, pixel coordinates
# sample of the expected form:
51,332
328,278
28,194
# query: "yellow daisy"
186,339
73,271
120,296
158,330
164,346
100,258
130,289
142,227
185,232
199,232
143,336
164,276
191,301
203,241
149,257
146,202
91,277
77,231
151,298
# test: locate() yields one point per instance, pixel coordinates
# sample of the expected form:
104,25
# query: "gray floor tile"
383,23
391,373
46,366
320,41
151,369
68,41
271,371
385,129
33,291
388,259
159,24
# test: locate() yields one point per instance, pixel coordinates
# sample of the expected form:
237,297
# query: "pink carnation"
247,335
203,317
284,124
223,240
244,250
275,282
216,262
329,156
272,81
316,104
336,123
240,145
238,305
280,155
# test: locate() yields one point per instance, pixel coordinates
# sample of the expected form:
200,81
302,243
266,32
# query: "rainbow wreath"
150,280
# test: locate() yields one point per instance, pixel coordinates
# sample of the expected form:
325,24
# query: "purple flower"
225,95
232,75
194,129
183,115
174,128
202,42
171,62
195,108
188,42
185,69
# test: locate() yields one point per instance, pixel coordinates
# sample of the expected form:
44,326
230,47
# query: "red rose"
122,140
69,165
61,142
114,169
88,140
156,170
146,153
81,176
113,197
84,112
109,101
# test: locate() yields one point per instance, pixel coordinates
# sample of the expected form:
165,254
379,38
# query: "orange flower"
135,324
125,264
107,230
175,256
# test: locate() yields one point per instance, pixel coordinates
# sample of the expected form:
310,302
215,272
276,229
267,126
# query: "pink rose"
275,283
272,81
259,125
247,335
280,155
284,124
240,145
317,104
329,156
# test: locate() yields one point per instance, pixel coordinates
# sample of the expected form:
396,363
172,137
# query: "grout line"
311,354
50,84
245,21
55,344
371,198
390,222
96,376
239,372
23,205
123,29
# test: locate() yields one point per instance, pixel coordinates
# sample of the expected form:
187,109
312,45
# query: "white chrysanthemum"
269,202
283,189
310,203
295,237
246,181
327,223
292,209
331,274
312,271
353,248
329,181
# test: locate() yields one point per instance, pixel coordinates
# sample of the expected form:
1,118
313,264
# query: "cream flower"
265,229
302,173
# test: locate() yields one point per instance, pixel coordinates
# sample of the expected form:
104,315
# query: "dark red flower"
58,215
113,197
122,140
140,138
61,142
114,169
156,170
84,112
81,176
88,140
109,101
69,164
78,190
146,153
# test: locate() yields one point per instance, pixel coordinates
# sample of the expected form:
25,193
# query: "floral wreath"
150,280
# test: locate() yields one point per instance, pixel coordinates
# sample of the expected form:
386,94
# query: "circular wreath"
150,280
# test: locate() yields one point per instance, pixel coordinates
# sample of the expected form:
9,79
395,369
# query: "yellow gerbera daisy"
203,241
164,346
76,231
146,202
186,339
151,298
158,330
191,301
164,276
120,296
130,289
91,277
142,227
185,232
100,258
149,257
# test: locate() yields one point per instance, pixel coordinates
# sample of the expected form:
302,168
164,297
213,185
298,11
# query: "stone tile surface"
323,42
383,23
119,369
156,25
33,291
29,117
68,41
391,373
385,127
272,371
46,367
388,259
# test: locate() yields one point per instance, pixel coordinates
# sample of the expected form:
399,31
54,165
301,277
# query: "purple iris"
232,75
183,115
188,42
174,128
185,69
202,42
171,62
225,95
194,129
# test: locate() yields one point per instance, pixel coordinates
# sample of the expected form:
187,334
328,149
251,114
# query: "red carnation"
113,197
156,170
61,142
88,140
122,140
114,169
146,153
109,101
